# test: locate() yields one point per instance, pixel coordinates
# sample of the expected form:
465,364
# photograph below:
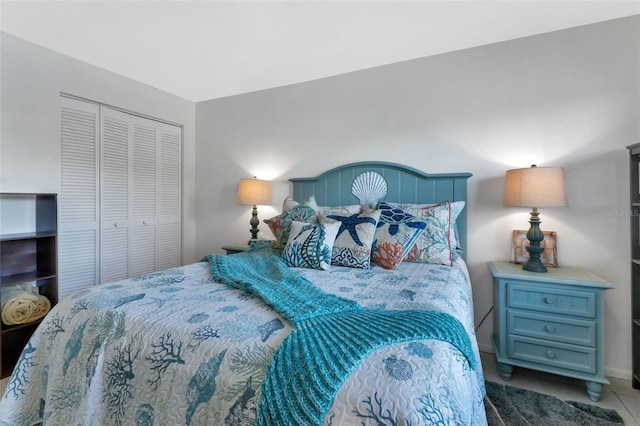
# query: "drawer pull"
115,224
550,329
549,300
551,354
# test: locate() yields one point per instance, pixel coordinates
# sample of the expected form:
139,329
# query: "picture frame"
520,255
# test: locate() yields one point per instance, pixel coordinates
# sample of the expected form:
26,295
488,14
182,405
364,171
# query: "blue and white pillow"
456,209
310,245
353,244
437,244
396,233
280,225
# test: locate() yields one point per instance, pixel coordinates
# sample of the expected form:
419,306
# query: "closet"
120,198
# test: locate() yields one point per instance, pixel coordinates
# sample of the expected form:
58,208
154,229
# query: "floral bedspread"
175,347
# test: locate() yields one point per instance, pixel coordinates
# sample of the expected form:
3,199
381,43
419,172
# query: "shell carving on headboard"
369,187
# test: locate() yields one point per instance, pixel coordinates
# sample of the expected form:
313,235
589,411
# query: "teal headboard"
404,185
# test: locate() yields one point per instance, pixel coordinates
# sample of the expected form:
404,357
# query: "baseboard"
618,373
485,348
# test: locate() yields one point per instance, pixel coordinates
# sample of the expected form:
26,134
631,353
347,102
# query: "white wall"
568,98
32,79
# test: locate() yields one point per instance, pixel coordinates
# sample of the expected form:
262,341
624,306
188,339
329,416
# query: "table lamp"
253,192
535,187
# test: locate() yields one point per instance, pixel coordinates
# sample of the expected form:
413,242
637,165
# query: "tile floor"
619,396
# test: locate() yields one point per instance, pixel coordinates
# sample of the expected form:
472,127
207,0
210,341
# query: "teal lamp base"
535,236
254,222
534,266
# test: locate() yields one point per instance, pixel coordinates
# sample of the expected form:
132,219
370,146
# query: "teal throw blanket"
331,335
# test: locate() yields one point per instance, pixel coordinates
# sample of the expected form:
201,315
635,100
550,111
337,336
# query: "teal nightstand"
235,249
551,322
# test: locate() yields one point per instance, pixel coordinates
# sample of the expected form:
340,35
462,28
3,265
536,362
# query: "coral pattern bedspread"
175,347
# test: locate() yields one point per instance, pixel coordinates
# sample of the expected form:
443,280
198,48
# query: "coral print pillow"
434,244
437,244
310,245
355,238
396,232
281,225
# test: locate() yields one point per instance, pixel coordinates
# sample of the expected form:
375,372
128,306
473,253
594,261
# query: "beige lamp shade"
535,187
254,192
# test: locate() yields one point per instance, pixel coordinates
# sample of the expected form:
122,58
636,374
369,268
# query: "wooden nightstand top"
562,275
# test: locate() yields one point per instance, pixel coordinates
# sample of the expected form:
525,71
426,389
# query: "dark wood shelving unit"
634,213
27,257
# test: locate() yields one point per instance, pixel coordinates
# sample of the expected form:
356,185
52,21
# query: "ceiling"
201,50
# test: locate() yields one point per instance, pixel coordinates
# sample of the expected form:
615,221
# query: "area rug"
506,405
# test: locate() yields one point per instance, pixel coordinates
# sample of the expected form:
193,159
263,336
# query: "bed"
205,344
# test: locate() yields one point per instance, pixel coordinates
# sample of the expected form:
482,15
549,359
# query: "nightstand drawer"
551,327
534,296
565,357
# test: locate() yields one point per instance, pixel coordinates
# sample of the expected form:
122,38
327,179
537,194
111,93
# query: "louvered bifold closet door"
170,191
79,214
115,194
121,198
144,215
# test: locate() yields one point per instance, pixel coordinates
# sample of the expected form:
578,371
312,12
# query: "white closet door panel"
143,251
77,261
78,248
145,168
170,254
115,261
170,192
170,171
79,161
115,194
115,166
